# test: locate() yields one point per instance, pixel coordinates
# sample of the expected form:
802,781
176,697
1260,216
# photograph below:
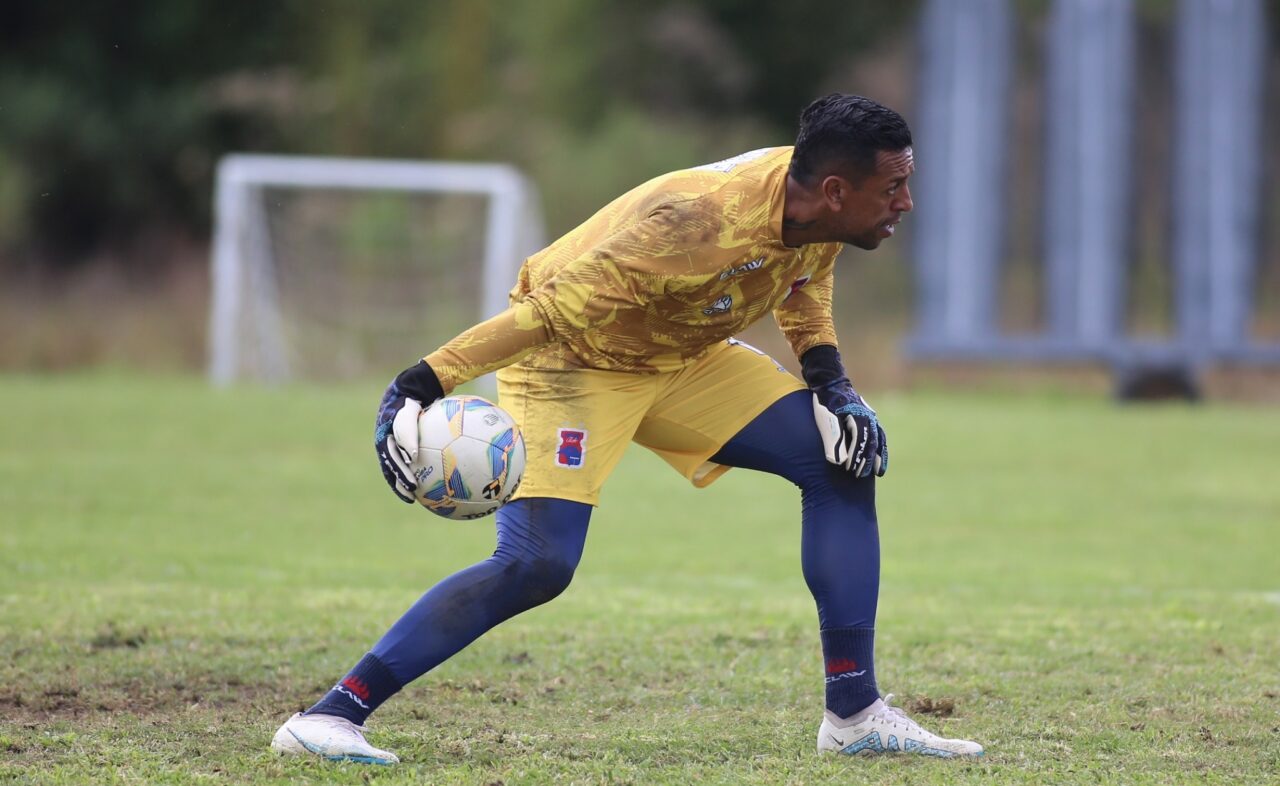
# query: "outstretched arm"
491,345
625,269
628,267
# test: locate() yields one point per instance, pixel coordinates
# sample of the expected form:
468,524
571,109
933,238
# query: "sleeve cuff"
821,365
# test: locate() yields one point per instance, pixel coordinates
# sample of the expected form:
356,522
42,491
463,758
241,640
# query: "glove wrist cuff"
420,382
821,366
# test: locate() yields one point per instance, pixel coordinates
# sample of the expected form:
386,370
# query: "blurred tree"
108,120
113,114
762,59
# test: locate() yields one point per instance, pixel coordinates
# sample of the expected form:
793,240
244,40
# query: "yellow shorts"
577,422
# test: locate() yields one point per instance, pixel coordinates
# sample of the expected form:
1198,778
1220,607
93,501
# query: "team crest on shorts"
572,448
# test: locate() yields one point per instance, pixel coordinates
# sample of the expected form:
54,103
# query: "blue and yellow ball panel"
499,451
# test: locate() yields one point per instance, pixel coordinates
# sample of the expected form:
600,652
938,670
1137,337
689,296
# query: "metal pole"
1217,165
961,143
1087,189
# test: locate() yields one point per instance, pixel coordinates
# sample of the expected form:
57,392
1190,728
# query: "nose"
903,203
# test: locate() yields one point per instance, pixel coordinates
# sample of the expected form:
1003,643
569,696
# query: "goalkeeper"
622,330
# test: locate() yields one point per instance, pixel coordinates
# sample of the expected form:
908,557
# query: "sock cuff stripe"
371,669
847,636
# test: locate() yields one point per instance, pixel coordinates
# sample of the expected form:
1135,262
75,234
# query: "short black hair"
845,132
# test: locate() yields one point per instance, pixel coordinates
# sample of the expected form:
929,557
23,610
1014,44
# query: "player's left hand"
851,433
395,434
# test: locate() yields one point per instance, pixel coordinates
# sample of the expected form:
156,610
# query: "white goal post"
246,313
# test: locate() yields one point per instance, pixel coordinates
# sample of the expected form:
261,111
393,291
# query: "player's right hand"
395,433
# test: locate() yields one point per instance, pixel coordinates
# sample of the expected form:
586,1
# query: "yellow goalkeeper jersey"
658,276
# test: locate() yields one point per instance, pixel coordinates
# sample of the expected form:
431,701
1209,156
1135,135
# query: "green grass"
1091,591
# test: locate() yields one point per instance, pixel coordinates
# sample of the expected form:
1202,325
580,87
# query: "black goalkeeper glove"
851,434
395,434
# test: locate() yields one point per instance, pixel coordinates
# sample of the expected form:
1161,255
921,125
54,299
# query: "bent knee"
543,579
820,476
833,486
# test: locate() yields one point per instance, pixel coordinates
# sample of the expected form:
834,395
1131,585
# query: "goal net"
328,268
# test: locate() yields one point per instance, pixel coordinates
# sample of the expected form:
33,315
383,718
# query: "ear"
835,190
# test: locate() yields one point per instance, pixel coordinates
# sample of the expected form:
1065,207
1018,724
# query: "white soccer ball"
470,457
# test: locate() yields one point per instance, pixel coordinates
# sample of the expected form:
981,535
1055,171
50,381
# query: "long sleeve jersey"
658,276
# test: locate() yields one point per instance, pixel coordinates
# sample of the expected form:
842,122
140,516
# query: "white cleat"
882,728
329,737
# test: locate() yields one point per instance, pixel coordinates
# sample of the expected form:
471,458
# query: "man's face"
867,212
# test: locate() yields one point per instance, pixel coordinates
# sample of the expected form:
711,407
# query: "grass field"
1091,591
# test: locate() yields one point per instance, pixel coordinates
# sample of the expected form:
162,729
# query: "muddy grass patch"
141,697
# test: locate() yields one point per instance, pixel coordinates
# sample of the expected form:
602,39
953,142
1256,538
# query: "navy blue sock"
848,654
839,544
360,692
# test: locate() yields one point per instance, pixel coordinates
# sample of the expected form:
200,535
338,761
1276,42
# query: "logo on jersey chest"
572,448
722,304
754,264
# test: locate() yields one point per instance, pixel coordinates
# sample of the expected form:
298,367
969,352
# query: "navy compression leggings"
540,542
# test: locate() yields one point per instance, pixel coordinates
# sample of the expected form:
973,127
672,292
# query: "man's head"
853,156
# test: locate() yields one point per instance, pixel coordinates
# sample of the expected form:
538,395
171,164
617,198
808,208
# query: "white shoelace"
896,717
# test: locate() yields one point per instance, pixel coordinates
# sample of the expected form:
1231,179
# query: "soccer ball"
470,457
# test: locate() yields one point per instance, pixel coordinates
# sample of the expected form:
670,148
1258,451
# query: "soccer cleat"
882,728
329,737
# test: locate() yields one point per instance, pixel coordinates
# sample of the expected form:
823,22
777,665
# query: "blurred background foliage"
113,115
